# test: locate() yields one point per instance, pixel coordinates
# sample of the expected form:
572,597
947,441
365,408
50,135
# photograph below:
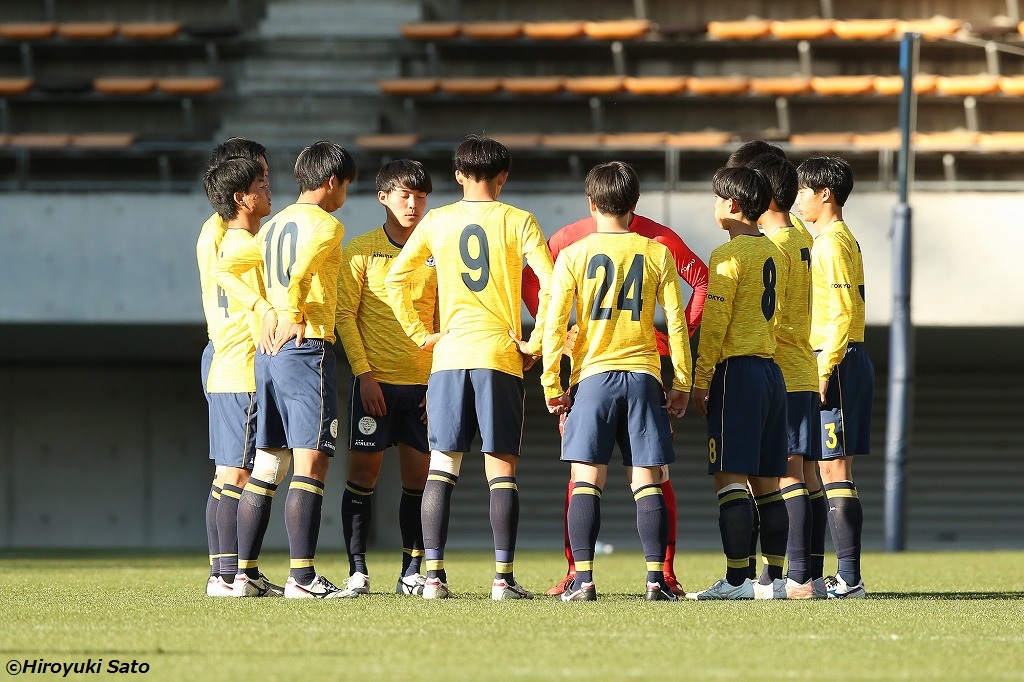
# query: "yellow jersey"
478,249
374,340
301,256
837,272
615,279
234,343
207,248
742,310
793,353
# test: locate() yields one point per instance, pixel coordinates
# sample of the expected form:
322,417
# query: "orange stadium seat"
198,85
784,85
930,29
387,141
801,29
594,85
873,141
40,140
470,86
626,29
150,30
431,30
717,85
739,30
1002,141
124,86
408,86
843,85
3,139
533,85
518,140
1012,85
103,140
27,31
815,141
15,86
949,140
634,140
493,30
87,30
864,29
655,85
553,30
571,140
924,83
982,84
704,139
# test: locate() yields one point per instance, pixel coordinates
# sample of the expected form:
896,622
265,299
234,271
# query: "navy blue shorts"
846,414
461,402
233,429
401,424
618,407
802,412
747,422
297,397
204,374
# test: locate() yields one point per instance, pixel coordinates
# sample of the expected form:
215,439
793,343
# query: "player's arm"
694,272
670,296
399,287
562,289
837,265
351,278
535,248
722,280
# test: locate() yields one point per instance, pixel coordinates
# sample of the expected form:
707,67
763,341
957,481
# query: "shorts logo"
367,425
334,429
430,262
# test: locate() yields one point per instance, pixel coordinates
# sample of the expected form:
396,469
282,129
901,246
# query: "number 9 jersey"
478,248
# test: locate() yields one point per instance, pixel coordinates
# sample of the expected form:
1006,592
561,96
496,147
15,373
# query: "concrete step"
305,19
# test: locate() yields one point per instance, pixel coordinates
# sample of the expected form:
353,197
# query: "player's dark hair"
237,146
749,151
481,158
404,173
234,174
613,187
819,172
781,177
321,160
747,187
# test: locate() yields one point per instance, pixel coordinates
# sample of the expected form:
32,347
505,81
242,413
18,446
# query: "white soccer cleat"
795,590
435,589
216,587
245,586
320,588
502,589
838,589
358,583
776,589
411,585
723,590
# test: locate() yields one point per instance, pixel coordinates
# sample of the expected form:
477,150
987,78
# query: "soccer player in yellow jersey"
737,386
295,368
214,304
846,376
387,399
476,381
795,358
616,277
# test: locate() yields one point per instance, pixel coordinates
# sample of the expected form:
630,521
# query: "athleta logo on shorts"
367,425
430,262
334,429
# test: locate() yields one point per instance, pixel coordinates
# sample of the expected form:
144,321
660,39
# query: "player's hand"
285,332
524,349
371,395
423,404
699,398
570,340
559,404
269,325
675,402
431,340
822,388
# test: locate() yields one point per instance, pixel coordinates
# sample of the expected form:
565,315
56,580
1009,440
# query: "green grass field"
932,616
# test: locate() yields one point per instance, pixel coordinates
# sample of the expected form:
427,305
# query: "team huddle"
427,308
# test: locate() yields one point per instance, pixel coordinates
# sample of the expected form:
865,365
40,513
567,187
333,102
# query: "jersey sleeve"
326,236
539,258
695,273
228,271
723,277
563,287
351,278
399,287
837,265
670,296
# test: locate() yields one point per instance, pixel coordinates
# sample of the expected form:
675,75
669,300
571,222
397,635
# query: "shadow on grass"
946,596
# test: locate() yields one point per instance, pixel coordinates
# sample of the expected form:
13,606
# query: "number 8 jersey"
478,248
746,277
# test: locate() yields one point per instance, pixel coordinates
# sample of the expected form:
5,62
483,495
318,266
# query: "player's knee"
448,462
271,465
218,475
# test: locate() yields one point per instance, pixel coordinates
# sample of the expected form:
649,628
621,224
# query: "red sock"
670,507
565,526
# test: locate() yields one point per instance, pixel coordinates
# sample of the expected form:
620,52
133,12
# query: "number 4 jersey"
616,278
478,249
746,276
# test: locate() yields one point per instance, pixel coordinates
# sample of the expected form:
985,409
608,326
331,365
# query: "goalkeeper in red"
616,277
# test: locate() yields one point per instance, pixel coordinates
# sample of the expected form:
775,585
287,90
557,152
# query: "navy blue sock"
253,519
798,547
734,523
584,521
819,526
302,511
652,525
434,514
846,520
356,514
771,509
411,527
227,531
755,533
212,540
504,512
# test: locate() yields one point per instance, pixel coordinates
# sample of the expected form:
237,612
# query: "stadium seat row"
64,140
192,85
750,29
984,84
107,30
